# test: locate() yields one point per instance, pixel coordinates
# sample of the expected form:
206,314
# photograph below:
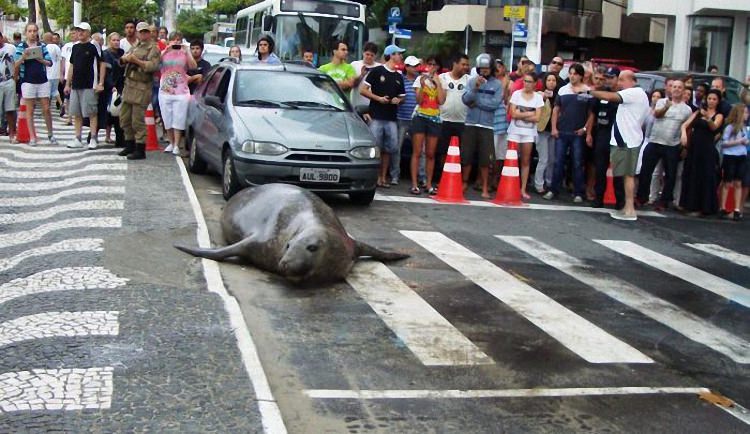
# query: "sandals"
415,191
432,191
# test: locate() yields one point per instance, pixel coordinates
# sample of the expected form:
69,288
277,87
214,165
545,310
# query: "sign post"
514,14
394,18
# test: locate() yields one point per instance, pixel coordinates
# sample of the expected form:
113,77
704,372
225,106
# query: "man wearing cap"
340,71
140,63
404,116
84,81
384,86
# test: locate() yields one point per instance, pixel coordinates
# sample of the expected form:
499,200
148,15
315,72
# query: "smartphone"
176,46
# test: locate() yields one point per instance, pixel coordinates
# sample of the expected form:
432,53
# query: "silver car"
257,124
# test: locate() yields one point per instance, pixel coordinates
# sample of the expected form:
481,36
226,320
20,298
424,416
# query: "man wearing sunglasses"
555,66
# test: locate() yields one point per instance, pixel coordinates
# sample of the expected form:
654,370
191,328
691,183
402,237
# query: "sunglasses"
529,81
555,62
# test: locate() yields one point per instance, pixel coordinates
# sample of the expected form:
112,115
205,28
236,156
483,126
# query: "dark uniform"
604,115
136,96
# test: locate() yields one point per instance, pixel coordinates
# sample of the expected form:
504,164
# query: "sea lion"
289,231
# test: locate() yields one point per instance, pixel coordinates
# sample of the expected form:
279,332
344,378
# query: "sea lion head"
316,255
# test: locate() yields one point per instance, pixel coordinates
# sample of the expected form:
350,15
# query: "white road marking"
527,206
20,155
432,339
685,323
55,164
47,149
688,273
74,245
37,200
59,324
271,418
51,185
571,330
62,173
723,253
60,279
23,237
88,205
56,389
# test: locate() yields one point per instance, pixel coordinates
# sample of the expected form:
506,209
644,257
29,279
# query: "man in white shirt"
453,110
362,67
64,60
627,135
130,38
53,71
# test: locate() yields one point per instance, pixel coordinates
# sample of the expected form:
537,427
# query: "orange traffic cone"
151,143
451,188
729,204
509,189
22,128
609,193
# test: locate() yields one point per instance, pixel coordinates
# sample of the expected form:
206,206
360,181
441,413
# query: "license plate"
318,175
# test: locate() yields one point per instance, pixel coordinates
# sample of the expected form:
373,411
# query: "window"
241,32
306,91
711,43
213,82
257,30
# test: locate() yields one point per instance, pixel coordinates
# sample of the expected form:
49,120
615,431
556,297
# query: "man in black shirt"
198,74
85,80
384,86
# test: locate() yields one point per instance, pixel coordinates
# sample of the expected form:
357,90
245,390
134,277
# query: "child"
734,163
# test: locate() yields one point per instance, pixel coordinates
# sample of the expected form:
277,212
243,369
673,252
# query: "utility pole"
534,42
170,7
77,10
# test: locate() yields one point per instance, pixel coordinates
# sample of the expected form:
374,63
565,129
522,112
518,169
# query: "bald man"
627,135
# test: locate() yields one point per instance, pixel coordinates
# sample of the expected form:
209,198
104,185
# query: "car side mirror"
214,101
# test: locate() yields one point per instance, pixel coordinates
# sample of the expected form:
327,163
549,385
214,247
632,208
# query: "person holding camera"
174,93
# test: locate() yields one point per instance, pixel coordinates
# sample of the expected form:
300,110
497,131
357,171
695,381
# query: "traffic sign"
402,34
514,12
520,30
394,15
392,28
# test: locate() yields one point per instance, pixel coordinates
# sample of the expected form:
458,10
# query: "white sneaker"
168,149
32,142
53,141
578,199
176,150
619,215
93,144
75,144
548,196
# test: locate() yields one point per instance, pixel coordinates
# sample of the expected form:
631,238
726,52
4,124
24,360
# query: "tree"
43,16
101,14
228,7
11,9
193,23
442,46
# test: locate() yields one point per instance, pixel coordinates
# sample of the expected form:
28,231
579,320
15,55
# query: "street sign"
392,28
402,34
520,30
514,12
394,16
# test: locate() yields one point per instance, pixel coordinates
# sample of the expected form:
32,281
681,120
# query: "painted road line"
75,245
571,330
59,324
56,389
64,183
89,205
688,273
62,173
723,253
28,236
685,323
19,155
270,414
487,204
60,149
432,339
55,164
60,279
37,200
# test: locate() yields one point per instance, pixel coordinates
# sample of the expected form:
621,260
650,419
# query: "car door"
211,119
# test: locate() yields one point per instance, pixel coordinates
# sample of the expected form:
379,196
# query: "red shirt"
518,85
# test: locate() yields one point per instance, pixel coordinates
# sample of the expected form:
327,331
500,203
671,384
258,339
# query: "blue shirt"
729,134
407,106
33,71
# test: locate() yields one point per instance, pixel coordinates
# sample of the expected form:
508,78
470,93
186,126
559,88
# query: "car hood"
305,129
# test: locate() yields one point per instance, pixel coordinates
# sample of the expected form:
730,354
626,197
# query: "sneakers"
168,149
738,215
75,144
619,215
53,141
32,142
394,181
176,150
548,195
578,199
93,144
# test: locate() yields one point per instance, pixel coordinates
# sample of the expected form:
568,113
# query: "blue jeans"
561,148
386,135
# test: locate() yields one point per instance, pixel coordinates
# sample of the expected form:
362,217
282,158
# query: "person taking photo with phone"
174,93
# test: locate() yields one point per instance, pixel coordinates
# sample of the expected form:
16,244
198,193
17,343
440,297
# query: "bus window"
241,31
257,29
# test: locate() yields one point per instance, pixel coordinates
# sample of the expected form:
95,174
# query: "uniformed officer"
140,63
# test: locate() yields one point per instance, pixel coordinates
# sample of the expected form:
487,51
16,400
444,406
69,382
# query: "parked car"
650,80
256,124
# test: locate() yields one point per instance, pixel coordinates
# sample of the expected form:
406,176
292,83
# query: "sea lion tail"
218,254
363,249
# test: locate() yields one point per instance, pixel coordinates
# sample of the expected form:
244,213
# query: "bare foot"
485,195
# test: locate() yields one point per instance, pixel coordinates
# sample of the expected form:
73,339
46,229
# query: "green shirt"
340,72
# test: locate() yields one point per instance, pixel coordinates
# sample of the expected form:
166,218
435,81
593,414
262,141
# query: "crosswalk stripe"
685,323
723,253
571,330
27,153
88,205
432,339
74,245
54,164
56,389
62,173
58,324
60,279
23,237
52,185
52,198
688,273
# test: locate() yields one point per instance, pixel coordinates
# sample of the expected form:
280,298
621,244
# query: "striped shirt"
32,71
407,106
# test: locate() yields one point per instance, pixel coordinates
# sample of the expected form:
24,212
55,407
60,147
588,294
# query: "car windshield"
286,89
298,33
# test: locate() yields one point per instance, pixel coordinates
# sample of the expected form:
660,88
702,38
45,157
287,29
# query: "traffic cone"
609,193
151,143
22,128
729,204
509,189
451,188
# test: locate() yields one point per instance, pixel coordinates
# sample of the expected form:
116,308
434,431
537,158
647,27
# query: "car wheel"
362,197
196,163
229,184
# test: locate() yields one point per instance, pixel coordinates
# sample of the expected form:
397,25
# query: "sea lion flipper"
364,249
220,253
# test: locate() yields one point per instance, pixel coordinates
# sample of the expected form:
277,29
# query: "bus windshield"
299,33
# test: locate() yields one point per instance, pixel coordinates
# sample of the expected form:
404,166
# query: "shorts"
53,87
83,102
422,125
174,110
386,135
35,90
501,146
519,138
447,131
8,96
624,160
733,168
477,139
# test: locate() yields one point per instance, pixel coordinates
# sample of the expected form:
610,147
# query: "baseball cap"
83,26
499,61
142,26
612,72
483,60
412,61
391,49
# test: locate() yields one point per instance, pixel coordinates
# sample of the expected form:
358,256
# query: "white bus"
300,25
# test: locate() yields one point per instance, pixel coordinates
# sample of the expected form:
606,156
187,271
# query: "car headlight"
365,152
263,148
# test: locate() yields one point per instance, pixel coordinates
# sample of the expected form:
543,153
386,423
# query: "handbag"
115,104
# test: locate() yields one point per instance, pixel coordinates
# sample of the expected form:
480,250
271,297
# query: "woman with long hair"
174,94
734,159
114,80
236,52
525,109
265,48
544,146
425,125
